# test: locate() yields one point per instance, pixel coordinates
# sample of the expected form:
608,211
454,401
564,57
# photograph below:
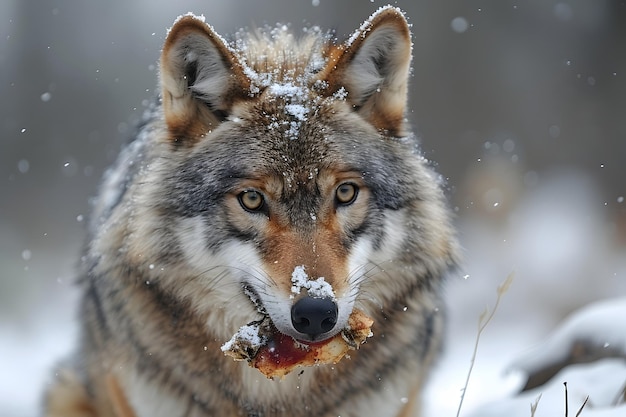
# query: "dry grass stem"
533,406
483,321
566,402
580,410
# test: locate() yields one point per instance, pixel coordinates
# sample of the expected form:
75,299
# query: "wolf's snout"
314,316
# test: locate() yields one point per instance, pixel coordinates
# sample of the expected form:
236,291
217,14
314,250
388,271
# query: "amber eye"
346,193
251,200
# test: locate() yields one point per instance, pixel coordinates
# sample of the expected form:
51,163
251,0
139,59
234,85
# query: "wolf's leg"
118,399
67,397
413,406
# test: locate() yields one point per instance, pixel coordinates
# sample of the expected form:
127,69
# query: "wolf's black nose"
314,316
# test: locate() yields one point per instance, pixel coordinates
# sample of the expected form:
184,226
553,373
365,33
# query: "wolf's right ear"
200,79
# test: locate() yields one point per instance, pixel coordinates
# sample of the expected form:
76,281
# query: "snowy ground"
493,388
561,248
564,255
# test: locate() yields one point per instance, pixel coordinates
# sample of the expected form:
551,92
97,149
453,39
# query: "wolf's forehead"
288,110
291,139
296,151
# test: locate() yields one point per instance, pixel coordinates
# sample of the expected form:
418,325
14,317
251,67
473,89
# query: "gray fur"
175,265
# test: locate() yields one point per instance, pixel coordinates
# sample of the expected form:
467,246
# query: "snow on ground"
560,246
602,381
562,250
601,325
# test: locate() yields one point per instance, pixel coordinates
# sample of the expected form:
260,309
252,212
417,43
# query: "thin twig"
580,410
533,406
566,407
483,320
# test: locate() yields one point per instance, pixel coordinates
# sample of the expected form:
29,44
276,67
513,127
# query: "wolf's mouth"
275,354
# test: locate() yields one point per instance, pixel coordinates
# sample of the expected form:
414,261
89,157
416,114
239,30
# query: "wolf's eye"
346,193
251,200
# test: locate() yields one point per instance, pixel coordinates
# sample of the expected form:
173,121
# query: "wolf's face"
295,212
284,184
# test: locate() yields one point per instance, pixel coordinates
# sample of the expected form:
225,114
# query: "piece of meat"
275,354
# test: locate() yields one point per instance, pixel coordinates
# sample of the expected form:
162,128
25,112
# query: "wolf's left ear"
373,67
201,79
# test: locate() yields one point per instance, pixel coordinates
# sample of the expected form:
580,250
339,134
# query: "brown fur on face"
317,243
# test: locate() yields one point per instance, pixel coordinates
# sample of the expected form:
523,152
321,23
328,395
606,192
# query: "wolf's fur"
175,263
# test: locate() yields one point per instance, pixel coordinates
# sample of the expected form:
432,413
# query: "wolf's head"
285,176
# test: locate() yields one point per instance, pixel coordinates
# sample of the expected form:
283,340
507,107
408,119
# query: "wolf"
266,157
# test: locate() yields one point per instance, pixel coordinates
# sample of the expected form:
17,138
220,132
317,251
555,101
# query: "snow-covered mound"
603,381
595,332
588,352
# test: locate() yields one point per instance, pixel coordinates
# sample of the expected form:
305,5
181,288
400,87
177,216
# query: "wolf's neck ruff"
275,193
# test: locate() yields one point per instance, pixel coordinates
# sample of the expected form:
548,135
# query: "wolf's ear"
200,79
373,67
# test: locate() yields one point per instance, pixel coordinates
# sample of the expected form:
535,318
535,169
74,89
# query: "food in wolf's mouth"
275,354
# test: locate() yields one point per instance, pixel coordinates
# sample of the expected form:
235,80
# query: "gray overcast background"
504,94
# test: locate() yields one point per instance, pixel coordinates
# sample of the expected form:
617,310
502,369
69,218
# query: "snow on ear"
200,78
373,67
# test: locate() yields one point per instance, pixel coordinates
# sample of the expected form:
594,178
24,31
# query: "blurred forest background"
520,103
